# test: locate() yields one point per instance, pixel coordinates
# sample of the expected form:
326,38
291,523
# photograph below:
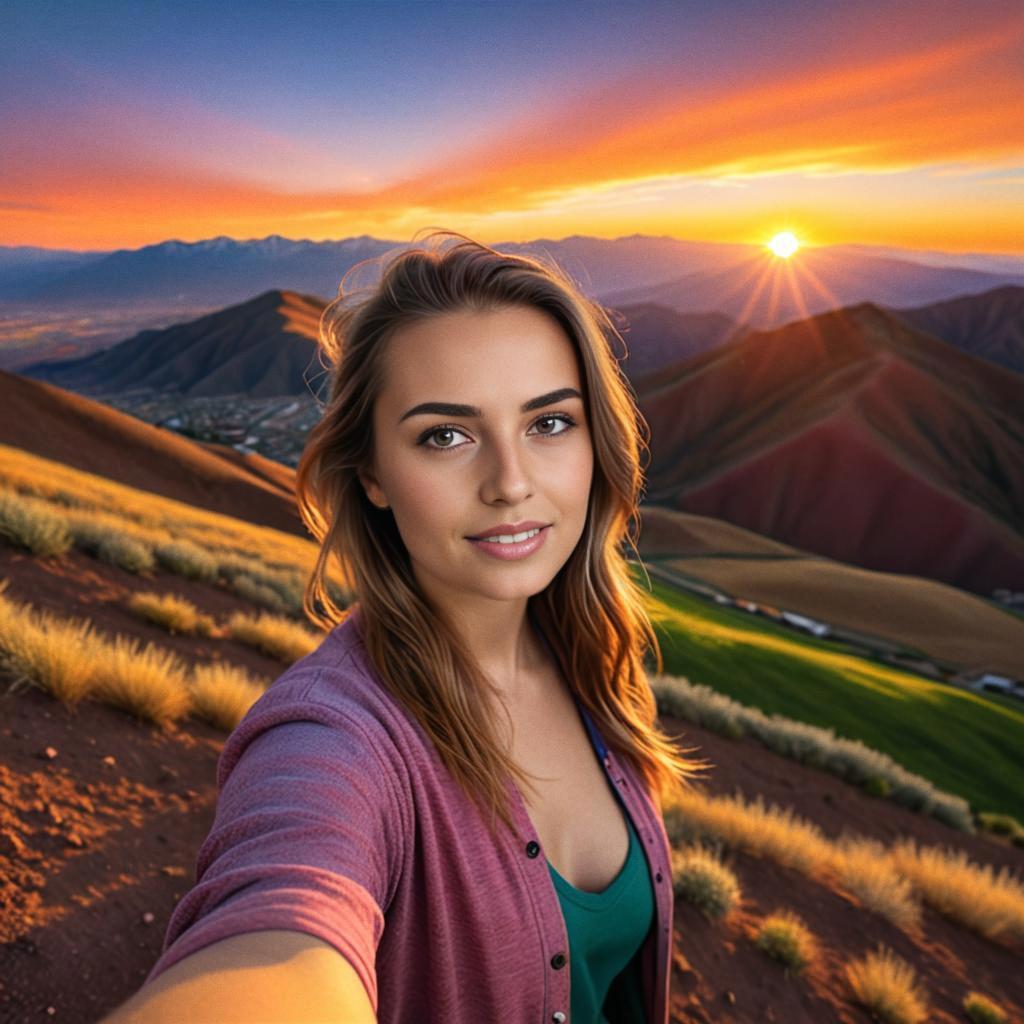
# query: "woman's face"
450,474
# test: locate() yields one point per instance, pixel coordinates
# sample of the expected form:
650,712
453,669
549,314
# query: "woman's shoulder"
334,685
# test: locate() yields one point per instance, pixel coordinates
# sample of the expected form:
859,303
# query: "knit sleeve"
307,836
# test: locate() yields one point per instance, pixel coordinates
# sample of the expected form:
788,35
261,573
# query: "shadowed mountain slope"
264,347
989,325
656,336
853,436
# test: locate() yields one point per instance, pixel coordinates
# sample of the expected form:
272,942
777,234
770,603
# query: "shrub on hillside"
1002,825
952,810
258,593
66,498
92,527
983,1010
864,869
126,553
188,560
47,652
147,682
279,591
877,785
702,879
87,534
32,524
280,638
990,902
766,830
888,987
289,588
175,614
681,828
785,937
222,694
976,896
850,759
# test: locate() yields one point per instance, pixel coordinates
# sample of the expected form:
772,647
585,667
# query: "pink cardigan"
336,816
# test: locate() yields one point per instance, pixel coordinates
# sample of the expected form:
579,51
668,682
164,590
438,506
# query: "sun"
784,244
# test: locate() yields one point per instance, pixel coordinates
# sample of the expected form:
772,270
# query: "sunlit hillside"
966,742
885,613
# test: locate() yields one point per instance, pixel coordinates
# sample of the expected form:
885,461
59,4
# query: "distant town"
274,427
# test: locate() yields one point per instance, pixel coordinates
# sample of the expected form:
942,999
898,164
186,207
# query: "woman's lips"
511,552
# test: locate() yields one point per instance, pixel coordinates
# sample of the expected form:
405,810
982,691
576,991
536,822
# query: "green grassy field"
963,742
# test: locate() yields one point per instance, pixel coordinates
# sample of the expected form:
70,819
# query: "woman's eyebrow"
471,411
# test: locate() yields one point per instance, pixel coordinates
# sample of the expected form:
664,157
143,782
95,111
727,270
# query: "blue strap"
595,736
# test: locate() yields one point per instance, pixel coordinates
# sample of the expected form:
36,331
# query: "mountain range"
268,345
743,282
850,434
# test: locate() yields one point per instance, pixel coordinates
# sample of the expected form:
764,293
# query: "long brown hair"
592,614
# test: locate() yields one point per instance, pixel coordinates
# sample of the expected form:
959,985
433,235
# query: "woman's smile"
520,546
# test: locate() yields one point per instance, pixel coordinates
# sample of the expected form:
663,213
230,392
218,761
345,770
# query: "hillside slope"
69,428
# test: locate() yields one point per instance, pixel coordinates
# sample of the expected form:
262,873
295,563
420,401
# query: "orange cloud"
954,101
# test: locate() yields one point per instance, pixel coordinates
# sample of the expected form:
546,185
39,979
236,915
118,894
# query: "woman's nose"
507,474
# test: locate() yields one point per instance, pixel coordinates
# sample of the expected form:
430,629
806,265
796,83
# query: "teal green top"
606,930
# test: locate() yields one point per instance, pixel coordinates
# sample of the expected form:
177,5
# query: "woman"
474,475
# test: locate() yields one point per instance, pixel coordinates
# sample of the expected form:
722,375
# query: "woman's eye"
440,430
562,418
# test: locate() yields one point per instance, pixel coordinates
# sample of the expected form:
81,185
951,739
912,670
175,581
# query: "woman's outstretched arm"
277,977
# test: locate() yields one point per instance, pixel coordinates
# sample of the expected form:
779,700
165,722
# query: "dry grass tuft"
175,614
33,524
772,831
891,881
222,694
863,867
975,895
983,1010
702,879
888,987
71,662
785,937
279,637
188,560
148,682
47,652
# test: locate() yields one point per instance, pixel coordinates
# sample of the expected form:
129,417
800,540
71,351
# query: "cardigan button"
657,877
558,961
532,849
558,1017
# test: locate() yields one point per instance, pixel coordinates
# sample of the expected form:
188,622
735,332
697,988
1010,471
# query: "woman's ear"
372,488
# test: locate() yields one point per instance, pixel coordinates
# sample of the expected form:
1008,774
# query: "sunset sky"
885,123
